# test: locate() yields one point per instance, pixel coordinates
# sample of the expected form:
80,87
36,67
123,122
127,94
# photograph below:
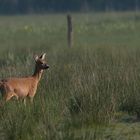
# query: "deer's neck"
37,74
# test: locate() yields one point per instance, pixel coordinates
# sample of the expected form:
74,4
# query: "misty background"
43,6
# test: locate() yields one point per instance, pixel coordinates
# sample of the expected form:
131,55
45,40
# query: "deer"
24,87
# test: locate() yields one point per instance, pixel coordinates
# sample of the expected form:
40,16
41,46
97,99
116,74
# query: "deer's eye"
41,63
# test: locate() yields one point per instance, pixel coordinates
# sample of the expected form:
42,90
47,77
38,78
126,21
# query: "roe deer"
25,86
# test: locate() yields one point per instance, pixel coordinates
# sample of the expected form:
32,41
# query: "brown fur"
26,86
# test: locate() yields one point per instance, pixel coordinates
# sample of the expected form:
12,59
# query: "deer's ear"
42,56
36,57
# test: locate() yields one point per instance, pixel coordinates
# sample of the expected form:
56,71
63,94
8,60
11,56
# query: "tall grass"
85,87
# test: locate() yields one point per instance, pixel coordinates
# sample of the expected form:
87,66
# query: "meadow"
90,92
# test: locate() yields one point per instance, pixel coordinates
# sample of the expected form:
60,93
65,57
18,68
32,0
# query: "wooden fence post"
70,31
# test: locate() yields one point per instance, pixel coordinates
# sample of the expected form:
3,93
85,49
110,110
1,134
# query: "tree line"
38,6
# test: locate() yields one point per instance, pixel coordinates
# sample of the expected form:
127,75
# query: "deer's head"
41,64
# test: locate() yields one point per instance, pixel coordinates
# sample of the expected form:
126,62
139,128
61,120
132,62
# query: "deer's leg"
2,102
31,100
9,95
24,101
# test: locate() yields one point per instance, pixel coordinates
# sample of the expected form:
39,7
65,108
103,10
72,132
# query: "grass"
90,91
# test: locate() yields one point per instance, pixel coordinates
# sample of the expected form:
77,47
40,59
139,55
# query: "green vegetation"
42,6
91,91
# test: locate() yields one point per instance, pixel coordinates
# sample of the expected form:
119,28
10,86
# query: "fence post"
70,31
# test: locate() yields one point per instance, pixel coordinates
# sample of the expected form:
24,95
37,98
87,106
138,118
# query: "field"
90,92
